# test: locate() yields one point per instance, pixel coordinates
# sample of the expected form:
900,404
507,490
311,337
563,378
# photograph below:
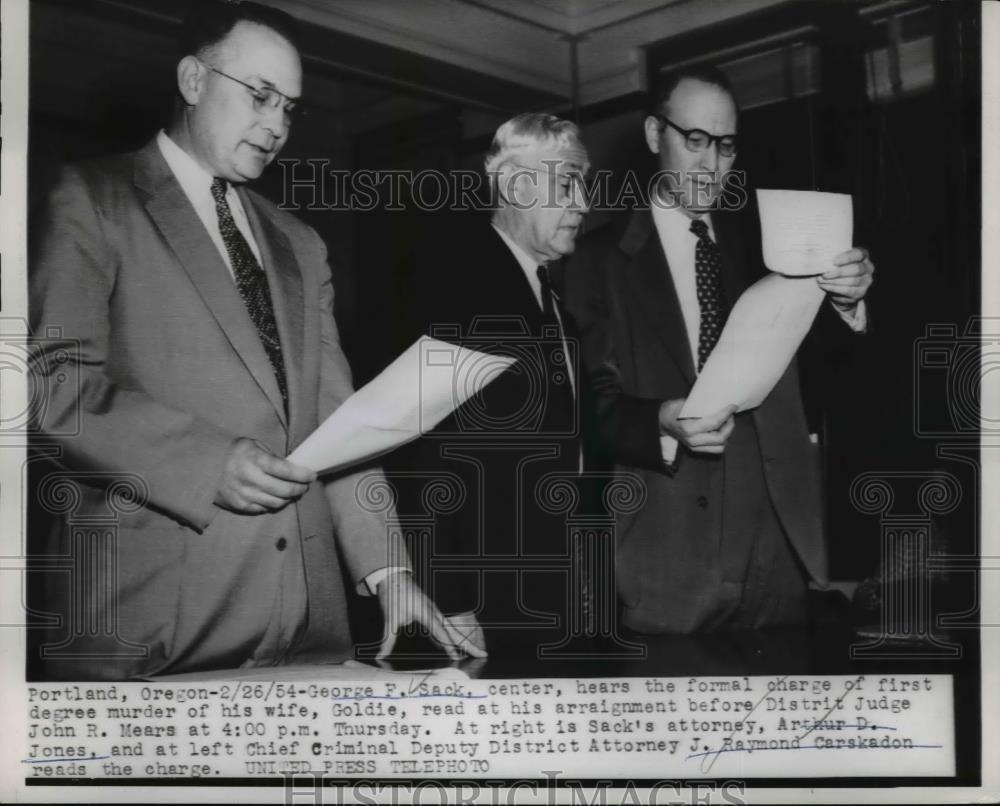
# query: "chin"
250,169
563,247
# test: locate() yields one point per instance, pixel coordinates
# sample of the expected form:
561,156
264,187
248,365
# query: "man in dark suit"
491,290
731,529
198,322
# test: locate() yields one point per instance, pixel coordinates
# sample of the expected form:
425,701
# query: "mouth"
261,151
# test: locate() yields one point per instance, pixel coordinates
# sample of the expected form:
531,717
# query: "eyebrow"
271,85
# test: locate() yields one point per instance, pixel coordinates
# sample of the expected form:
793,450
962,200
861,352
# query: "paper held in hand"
408,398
802,232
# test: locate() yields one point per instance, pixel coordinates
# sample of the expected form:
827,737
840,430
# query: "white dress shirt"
673,226
530,268
196,183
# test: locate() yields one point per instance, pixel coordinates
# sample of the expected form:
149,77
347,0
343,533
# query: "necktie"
577,549
711,295
252,284
548,307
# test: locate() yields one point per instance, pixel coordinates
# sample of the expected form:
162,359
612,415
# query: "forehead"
257,50
561,158
695,103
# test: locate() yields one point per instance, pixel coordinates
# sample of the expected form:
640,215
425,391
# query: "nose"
276,121
710,157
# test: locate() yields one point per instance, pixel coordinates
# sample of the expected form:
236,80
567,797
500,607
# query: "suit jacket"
505,443
635,347
165,370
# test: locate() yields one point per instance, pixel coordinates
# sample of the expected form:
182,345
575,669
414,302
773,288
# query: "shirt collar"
672,222
195,180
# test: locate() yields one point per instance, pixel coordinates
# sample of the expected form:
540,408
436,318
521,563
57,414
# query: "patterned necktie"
711,295
252,284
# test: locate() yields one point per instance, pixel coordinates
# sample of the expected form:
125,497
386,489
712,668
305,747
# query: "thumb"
713,422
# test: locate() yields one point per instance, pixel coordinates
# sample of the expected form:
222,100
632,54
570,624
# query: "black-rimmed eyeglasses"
698,140
267,98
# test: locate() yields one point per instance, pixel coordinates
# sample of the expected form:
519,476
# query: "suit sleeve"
363,536
622,428
98,425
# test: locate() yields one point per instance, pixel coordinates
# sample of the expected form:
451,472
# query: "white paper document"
801,231
763,331
408,398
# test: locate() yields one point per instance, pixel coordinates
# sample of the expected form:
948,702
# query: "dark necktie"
548,307
252,284
711,295
577,551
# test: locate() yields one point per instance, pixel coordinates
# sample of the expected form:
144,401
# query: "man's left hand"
849,280
403,603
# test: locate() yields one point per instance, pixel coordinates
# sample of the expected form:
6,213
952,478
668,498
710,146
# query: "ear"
190,79
653,130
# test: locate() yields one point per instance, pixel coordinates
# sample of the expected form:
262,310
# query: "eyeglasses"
266,98
699,140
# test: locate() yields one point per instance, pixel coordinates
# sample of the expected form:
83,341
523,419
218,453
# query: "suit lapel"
653,290
173,214
512,289
735,278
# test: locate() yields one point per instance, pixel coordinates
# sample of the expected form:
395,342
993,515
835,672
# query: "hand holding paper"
698,434
802,233
408,398
849,280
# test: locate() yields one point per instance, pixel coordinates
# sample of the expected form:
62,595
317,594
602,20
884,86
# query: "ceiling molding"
451,32
571,17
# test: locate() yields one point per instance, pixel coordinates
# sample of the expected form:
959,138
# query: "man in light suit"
492,289
731,529
198,321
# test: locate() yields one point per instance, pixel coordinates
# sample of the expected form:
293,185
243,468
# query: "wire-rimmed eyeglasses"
266,98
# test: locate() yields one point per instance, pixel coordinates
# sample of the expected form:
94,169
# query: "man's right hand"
254,480
698,434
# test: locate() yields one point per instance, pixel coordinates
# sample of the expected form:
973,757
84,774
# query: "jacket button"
702,501
280,544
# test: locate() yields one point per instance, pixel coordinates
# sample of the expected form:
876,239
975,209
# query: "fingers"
443,634
403,603
283,469
255,480
265,485
710,434
849,280
388,643
714,422
469,634
858,254
851,265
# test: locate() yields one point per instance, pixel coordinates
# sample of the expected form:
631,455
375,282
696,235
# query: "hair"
666,82
528,131
208,22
